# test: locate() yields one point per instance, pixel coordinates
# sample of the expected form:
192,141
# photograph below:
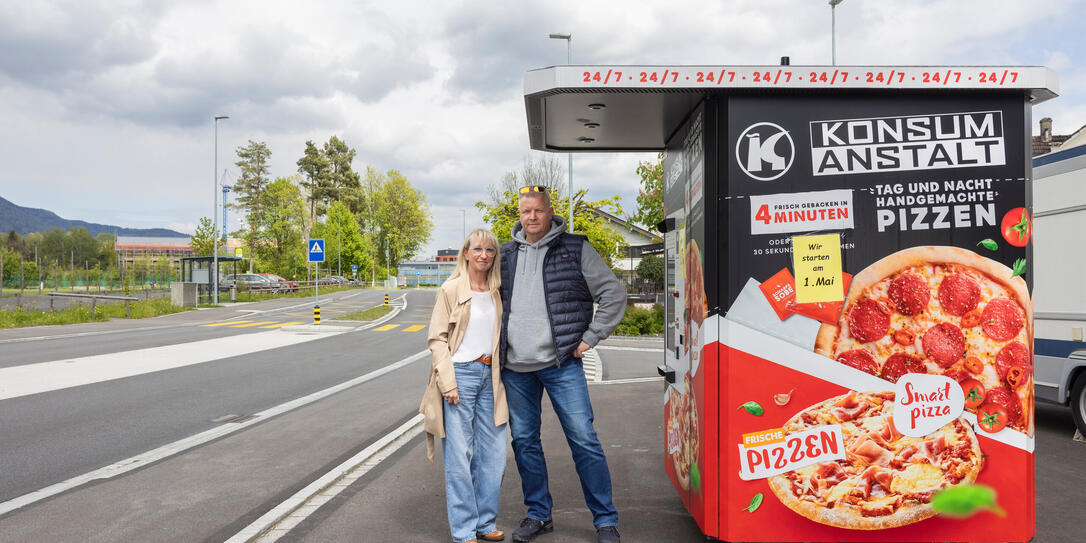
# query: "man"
550,279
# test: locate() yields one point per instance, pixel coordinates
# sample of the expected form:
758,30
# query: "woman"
464,401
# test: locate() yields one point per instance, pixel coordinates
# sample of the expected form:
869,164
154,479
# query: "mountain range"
25,220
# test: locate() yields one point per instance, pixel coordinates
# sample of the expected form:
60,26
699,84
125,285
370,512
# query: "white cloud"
107,106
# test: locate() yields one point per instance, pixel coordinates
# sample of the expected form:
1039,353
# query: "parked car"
248,281
337,280
285,285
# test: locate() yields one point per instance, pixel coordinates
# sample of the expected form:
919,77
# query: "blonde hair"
494,276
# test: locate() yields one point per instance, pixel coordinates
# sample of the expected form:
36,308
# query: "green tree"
340,224
651,268
607,241
250,185
107,253
202,241
650,197
82,246
283,225
340,173
54,243
314,168
19,244
403,216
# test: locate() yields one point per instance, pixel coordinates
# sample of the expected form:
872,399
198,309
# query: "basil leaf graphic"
753,408
1019,267
755,503
963,501
989,244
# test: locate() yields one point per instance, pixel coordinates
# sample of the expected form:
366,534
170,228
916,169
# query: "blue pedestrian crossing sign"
316,250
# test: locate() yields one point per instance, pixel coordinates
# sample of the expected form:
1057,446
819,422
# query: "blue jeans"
474,454
568,392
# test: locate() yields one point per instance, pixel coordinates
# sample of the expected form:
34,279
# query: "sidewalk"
403,499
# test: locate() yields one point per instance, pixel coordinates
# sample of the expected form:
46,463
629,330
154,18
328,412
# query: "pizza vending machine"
853,319
849,330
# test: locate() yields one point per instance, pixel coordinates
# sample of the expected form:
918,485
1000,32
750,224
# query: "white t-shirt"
479,335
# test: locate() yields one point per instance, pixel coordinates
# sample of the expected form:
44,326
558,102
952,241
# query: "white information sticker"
801,212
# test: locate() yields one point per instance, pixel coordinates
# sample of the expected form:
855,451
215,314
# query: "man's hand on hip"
579,351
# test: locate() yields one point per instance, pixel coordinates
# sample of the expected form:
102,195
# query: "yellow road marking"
253,324
283,324
414,328
228,323
385,328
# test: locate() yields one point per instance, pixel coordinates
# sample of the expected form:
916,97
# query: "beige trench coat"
447,325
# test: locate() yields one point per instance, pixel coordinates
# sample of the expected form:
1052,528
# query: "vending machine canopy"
638,108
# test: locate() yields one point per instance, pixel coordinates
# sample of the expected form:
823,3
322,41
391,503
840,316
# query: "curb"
284,517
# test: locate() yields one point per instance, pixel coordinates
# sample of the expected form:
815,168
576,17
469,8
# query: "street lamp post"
833,29
373,219
569,61
215,215
339,235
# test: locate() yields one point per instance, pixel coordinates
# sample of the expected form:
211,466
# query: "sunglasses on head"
533,188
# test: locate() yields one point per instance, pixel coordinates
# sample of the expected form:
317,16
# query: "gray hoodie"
531,345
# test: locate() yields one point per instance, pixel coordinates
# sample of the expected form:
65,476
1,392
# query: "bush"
642,322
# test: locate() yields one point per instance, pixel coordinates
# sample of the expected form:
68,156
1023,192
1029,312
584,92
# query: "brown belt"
485,359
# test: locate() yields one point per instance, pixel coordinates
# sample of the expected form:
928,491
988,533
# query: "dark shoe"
496,535
607,534
530,528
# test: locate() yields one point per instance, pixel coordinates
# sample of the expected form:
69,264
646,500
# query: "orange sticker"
827,312
780,290
765,437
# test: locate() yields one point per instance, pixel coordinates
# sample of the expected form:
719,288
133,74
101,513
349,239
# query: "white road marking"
284,517
97,333
593,366
637,349
166,451
41,377
628,381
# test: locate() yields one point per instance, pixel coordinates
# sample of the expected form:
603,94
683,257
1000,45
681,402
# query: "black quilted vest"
569,302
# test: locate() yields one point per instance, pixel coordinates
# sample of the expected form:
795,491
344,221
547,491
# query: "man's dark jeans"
568,391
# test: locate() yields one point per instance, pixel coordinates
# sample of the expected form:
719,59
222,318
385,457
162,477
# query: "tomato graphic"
992,417
974,392
1017,227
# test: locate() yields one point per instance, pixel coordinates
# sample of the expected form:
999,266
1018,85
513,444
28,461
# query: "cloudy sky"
106,106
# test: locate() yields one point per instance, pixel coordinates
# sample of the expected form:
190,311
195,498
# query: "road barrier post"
316,314
386,300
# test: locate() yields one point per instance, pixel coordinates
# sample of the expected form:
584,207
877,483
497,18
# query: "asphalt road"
214,486
53,436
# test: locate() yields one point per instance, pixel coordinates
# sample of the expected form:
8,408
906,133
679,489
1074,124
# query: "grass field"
370,314
82,313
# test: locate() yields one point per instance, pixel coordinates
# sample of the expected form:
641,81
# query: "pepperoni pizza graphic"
682,419
942,310
696,304
886,479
